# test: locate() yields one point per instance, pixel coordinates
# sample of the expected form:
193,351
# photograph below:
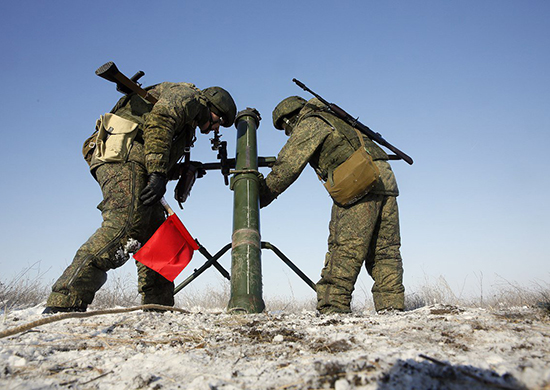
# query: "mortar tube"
246,270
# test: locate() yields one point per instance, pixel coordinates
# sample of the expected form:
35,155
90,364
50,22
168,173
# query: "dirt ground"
437,347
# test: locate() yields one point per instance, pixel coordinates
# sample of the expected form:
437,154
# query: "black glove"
154,190
266,196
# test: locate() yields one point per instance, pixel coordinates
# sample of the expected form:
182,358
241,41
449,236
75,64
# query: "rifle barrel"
342,114
379,139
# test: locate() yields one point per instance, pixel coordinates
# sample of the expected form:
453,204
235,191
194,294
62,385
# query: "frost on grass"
24,290
437,346
441,342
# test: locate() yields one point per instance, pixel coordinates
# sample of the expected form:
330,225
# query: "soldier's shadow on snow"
409,374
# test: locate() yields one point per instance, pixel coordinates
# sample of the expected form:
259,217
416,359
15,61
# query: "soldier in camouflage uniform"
133,184
366,231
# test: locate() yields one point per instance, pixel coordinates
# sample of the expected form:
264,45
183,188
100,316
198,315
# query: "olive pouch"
354,178
114,138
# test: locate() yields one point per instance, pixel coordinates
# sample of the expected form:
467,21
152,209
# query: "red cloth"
169,250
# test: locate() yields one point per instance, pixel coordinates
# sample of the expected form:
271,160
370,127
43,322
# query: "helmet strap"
289,124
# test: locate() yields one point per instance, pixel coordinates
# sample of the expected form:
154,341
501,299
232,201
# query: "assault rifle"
125,85
340,113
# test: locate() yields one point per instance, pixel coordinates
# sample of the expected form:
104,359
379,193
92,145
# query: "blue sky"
462,87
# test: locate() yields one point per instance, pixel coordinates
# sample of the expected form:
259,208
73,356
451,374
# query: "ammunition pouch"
354,178
115,136
88,148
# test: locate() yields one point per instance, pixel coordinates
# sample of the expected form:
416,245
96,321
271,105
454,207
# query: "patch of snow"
430,347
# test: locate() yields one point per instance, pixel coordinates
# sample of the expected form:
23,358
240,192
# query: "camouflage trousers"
126,225
366,232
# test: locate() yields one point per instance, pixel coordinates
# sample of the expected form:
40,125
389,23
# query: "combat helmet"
287,108
222,104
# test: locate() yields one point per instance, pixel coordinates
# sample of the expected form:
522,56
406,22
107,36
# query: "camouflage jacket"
324,141
166,129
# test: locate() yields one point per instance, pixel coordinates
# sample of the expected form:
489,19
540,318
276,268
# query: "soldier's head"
222,109
286,113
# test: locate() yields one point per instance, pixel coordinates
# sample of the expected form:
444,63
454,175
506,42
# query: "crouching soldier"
130,154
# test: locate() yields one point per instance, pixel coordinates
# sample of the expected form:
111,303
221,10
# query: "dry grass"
24,290
289,304
217,297
27,290
504,295
210,297
431,293
509,294
118,291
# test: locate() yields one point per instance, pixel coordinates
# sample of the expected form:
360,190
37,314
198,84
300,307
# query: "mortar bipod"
213,261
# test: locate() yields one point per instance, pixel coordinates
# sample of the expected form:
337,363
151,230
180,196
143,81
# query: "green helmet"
287,108
221,104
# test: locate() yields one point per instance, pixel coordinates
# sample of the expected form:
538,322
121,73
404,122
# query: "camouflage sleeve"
293,157
168,114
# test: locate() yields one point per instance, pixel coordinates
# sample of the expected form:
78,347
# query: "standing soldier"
130,154
364,230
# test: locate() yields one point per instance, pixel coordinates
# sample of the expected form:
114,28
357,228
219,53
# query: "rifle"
354,122
126,85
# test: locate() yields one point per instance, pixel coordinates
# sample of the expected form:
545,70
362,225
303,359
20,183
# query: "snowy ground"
435,347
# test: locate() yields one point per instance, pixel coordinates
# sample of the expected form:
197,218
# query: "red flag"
169,250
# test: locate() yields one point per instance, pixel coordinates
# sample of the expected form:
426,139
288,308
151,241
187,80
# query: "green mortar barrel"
246,268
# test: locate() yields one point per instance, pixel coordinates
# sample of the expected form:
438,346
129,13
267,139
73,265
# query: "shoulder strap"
361,139
318,114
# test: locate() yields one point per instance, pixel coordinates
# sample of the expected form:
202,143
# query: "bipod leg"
214,259
286,260
211,261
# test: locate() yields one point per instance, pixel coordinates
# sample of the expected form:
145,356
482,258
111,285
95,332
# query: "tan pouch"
88,148
354,178
114,138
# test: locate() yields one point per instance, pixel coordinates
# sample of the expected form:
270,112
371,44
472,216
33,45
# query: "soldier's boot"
165,299
154,288
55,309
76,287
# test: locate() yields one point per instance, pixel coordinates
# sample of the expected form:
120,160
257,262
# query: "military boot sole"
55,309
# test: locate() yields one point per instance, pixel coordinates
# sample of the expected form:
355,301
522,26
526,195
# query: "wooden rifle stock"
342,114
110,72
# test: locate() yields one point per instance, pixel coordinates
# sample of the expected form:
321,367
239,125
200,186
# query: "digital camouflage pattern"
222,104
366,232
316,140
287,108
126,225
166,128
165,131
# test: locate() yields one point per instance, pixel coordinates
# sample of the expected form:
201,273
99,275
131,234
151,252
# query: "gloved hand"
266,196
154,190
